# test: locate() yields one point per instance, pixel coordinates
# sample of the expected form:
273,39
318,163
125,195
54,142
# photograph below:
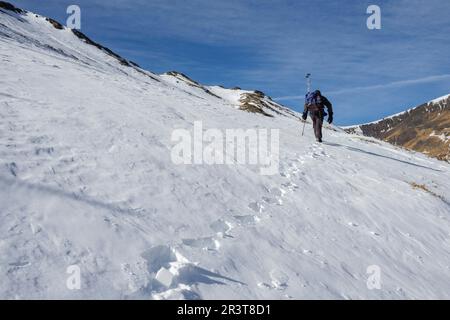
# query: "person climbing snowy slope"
315,104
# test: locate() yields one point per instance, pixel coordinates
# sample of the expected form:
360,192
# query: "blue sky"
269,45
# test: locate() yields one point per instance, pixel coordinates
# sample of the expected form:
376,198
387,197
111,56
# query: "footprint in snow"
277,192
290,186
256,206
39,139
12,167
285,174
276,201
247,220
279,279
316,151
222,228
47,151
113,225
207,243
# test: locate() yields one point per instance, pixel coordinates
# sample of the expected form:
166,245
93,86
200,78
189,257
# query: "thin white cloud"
395,84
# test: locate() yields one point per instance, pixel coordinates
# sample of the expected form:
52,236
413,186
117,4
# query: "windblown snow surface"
86,179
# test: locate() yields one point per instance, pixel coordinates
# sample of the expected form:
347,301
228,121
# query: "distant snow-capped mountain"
425,128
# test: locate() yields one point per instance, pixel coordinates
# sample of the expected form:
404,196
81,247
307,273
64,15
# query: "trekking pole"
304,124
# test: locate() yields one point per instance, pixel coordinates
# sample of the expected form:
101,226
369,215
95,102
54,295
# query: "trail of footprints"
174,276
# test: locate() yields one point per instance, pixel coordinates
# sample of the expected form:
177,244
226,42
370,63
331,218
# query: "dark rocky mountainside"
424,129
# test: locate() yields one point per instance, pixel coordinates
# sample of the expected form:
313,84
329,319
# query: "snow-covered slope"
250,101
86,179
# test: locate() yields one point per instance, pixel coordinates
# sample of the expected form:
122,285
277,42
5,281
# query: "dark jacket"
320,107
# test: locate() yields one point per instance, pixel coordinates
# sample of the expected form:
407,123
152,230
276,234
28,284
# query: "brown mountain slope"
425,129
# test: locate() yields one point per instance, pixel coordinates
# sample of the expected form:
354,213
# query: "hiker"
315,103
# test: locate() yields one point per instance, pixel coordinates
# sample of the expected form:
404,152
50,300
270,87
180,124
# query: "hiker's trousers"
317,119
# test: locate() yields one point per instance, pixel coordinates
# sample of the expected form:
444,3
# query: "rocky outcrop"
55,23
259,102
8,6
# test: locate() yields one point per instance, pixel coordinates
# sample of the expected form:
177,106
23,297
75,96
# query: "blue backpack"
313,99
